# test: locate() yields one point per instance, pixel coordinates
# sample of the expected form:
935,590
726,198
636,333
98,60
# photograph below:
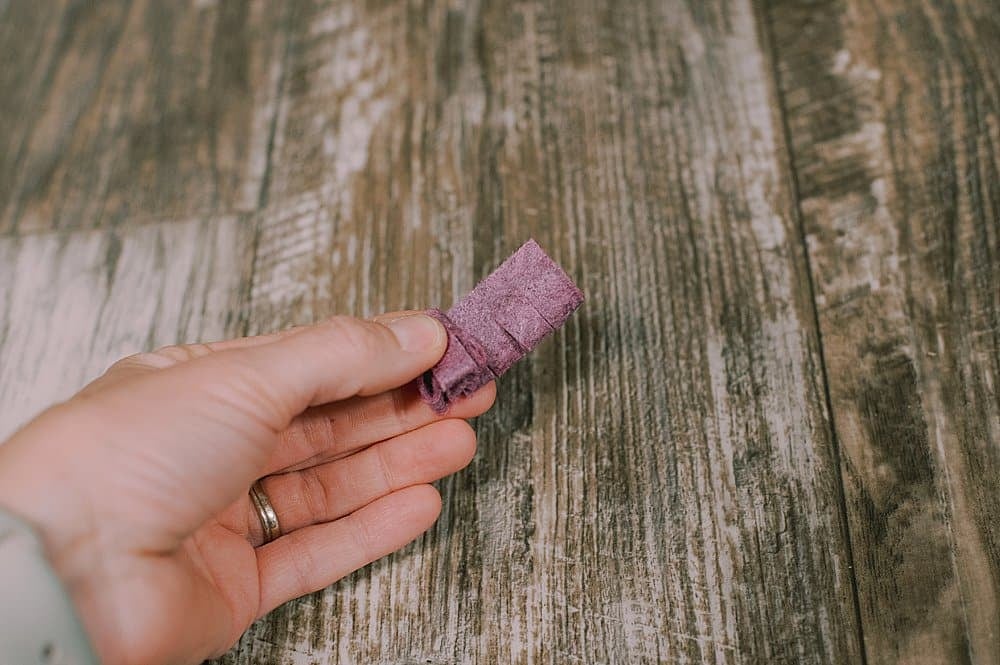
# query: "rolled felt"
498,323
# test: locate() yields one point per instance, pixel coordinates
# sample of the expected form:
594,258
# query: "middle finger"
331,431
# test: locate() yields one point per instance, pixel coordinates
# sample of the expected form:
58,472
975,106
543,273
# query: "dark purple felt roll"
498,323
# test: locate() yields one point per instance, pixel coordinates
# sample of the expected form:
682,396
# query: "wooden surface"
772,434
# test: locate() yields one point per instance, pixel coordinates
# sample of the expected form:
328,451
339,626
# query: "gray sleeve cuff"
38,623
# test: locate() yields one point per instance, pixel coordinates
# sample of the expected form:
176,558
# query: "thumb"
339,358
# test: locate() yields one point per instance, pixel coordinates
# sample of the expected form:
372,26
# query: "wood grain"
893,108
658,483
70,305
770,435
133,111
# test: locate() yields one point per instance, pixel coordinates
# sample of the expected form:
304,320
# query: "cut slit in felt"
498,323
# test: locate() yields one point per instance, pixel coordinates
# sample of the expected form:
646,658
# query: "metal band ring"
265,512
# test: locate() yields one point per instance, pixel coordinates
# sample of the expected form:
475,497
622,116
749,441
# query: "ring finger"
329,491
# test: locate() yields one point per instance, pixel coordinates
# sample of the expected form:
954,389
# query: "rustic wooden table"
772,435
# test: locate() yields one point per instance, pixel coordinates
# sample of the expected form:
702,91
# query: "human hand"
139,484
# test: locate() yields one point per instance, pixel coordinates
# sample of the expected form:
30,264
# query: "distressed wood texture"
770,435
115,112
893,109
658,483
71,306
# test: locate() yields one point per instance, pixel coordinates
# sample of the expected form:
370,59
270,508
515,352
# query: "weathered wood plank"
658,484
73,303
117,112
893,107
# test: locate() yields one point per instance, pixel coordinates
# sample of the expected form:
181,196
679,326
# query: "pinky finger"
315,557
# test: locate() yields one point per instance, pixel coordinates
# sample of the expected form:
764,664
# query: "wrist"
40,621
38,493
37,486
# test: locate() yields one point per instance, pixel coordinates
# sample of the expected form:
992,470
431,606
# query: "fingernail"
418,332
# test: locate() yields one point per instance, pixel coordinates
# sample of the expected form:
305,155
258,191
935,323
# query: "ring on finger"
265,512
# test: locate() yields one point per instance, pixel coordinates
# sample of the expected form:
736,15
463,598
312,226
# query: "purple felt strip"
461,371
498,323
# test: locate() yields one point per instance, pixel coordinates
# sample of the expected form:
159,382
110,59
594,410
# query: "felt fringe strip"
524,300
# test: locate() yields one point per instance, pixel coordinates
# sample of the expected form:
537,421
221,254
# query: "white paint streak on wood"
658,484
73,305
147,127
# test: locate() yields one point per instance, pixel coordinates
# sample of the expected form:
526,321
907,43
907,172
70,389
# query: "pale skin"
138,485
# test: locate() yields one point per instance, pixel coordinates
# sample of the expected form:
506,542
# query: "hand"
139,484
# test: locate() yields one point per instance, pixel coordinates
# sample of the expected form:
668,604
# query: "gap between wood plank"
770,49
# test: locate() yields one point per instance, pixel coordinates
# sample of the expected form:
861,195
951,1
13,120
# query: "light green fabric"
38,623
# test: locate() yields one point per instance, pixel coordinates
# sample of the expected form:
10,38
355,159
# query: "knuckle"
354,335
363,537
401,406
249,390
176,353
165,356
315,496
144,359
303,571
384,469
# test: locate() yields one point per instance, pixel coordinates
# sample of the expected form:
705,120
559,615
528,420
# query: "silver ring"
265,511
